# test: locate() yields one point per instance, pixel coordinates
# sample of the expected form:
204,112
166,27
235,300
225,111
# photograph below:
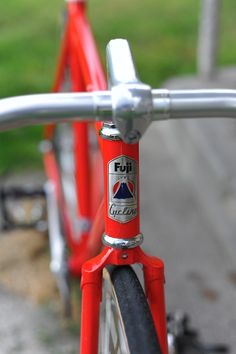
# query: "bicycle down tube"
79,61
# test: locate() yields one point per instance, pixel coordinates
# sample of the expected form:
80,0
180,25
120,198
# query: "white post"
208,38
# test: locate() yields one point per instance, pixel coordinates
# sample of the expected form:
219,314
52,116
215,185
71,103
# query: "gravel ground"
31,318
26,328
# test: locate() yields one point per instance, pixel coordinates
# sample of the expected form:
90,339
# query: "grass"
163,36
28,45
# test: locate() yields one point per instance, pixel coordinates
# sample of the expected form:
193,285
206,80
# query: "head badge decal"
122,189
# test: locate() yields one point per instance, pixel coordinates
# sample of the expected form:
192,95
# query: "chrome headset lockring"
122,243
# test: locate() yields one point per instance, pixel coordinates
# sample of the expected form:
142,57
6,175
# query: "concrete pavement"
27,329
179,226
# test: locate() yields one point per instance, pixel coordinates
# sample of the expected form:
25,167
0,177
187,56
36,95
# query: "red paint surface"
112,150
78,52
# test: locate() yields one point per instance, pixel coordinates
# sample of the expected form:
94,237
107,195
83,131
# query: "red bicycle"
74,168
93,185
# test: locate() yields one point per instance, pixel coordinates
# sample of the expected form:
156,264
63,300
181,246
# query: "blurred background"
188,170
163,36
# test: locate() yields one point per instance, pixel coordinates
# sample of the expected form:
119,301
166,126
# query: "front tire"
126,324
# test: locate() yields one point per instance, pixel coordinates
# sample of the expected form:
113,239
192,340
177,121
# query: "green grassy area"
163,36
29,40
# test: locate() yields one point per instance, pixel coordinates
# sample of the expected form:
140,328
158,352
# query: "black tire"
133,312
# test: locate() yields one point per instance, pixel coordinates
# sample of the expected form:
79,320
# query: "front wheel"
126,325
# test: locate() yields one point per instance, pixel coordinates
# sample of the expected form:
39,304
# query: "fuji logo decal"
122,189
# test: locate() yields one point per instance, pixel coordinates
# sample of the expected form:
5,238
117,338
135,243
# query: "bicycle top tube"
130,104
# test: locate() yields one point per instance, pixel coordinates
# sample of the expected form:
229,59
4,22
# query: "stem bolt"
124,256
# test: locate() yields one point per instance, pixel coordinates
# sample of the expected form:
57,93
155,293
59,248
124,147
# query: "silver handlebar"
177,104
54,108
131,104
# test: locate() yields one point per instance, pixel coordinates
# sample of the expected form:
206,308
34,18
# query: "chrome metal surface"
121,68
58,263
130,108
112,335
171,344
131,104
203,103
45,146
161,104
122,242
110,132
52,108
64,142
131,99
57,244
194,104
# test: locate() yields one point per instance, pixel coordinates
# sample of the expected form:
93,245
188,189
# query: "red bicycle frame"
79,54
